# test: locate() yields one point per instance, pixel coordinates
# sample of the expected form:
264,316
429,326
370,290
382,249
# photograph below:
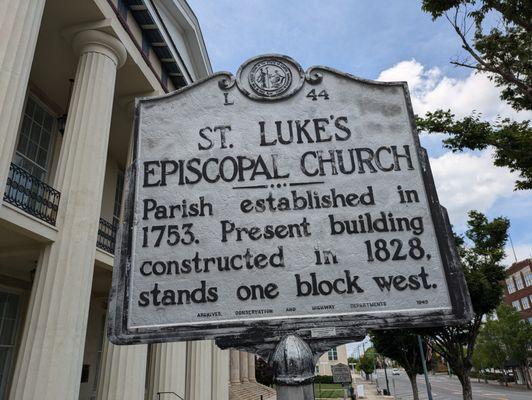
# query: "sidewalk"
370,390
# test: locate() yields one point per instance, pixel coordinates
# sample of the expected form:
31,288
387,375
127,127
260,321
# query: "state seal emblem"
270,78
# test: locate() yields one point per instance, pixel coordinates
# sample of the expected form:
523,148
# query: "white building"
69,73
336,355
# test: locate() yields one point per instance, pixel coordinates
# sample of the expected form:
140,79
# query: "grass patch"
328,390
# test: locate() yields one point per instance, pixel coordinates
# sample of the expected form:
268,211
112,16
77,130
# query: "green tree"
507,338
367,361
502,51
481,356
496,36
489,351
401,346
510,140
483,272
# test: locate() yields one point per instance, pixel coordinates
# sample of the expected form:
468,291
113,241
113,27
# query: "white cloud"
465,181
470,181
431,90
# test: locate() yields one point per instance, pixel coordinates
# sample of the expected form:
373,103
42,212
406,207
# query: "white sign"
281,200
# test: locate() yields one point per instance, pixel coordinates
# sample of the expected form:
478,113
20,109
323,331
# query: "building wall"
518,288
323,366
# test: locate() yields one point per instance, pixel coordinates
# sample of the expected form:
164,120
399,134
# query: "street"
449,388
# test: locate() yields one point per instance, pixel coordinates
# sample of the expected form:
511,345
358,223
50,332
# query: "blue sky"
362,37
385,40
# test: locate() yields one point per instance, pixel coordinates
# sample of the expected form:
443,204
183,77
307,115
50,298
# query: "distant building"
518,288
336,355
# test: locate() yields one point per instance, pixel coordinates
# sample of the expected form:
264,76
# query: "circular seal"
270,78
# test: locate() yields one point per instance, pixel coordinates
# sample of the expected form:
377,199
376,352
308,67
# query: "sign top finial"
270,77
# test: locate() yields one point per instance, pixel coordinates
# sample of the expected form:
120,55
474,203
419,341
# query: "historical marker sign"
277,202
341,373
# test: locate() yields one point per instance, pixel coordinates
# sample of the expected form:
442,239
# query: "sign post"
281,209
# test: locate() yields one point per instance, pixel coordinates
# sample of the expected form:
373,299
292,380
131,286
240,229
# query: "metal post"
293,369
423,362
386,376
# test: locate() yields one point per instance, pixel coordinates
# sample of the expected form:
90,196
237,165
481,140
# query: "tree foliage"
483,272
496,35
505,339
401,345
510,140
368,360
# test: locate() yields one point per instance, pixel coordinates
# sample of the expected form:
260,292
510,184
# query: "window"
518,281
317,370
528,276
526,304
333,354
510,285
119,189
516,305
33,149
9,314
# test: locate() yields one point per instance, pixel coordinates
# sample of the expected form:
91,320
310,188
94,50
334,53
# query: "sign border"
254,334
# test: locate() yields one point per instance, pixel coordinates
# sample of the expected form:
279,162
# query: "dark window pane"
30,107
12,305
26,125
32,150
41,157
39,115
48,122
45,139
22,144
35,133
7,331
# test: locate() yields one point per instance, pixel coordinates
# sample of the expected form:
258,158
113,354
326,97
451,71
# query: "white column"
51,353
251,367
235,367
199,370
220,374
123,372
244,367
19,28
168,365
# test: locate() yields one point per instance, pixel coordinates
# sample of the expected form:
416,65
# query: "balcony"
106,236
31,195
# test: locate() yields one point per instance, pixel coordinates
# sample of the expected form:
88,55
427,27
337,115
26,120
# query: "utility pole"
386,376
423,362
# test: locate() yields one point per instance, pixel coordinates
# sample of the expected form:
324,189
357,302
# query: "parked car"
395,371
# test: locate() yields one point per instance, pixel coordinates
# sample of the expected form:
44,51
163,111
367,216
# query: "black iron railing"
32,195
106,236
